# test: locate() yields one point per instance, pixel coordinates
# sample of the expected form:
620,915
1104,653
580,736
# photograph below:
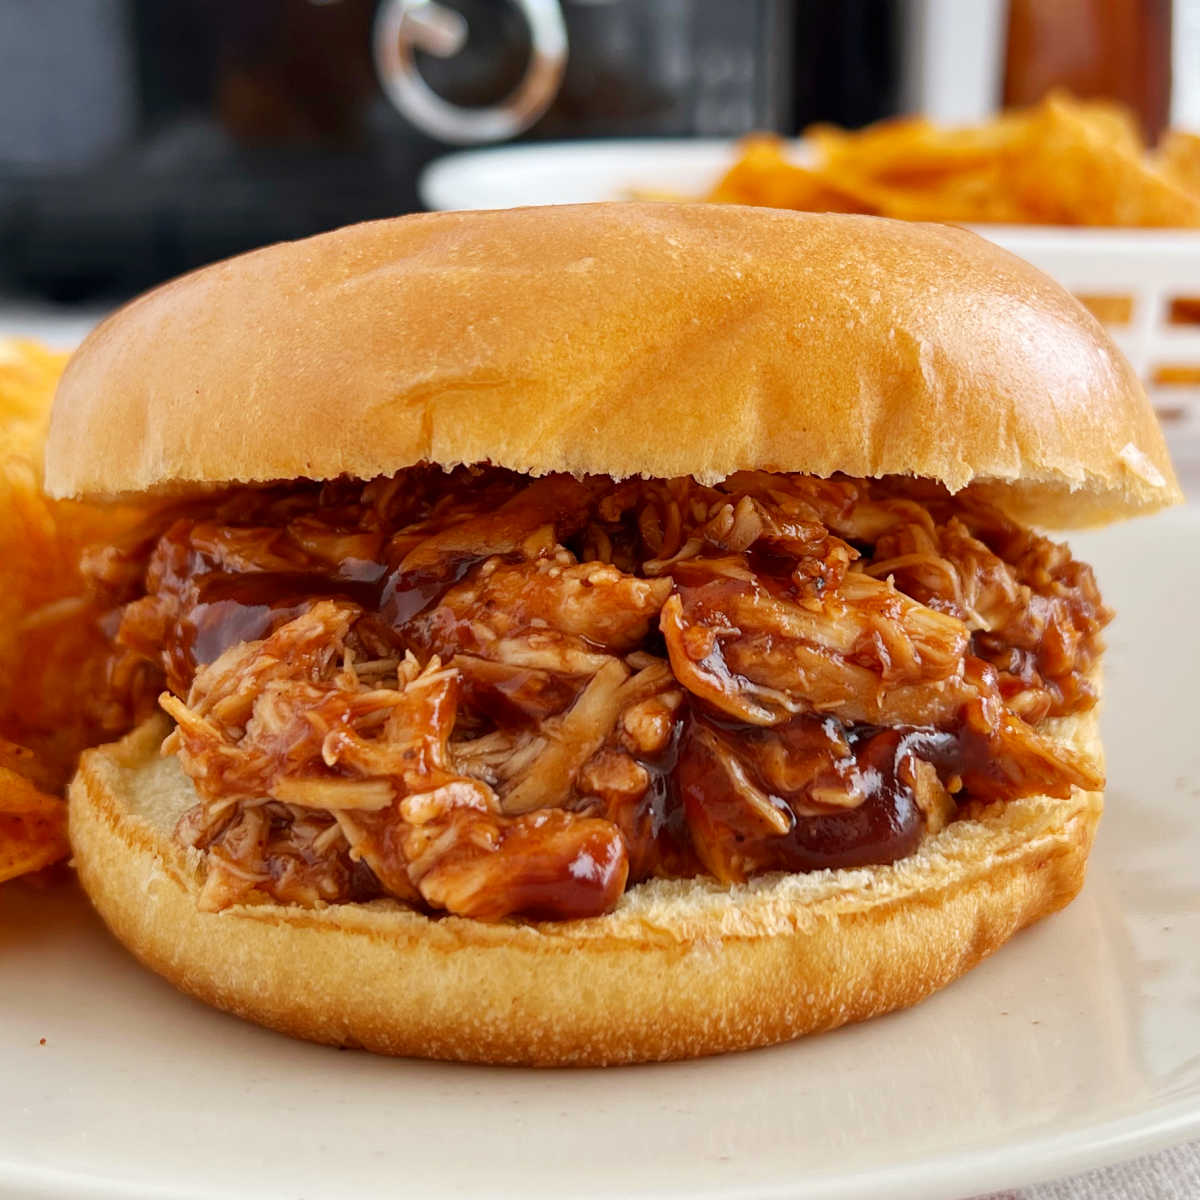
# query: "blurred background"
141,138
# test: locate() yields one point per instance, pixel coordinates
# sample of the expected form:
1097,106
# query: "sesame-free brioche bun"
617,339
682,967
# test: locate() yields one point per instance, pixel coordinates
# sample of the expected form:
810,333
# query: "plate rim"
975,1169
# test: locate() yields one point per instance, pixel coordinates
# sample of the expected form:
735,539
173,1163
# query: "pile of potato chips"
32,816
1063,162
51,647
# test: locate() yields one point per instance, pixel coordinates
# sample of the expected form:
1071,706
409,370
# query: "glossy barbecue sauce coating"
766,745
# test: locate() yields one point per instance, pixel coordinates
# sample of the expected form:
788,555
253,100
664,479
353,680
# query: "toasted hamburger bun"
613,339
618,339
682,968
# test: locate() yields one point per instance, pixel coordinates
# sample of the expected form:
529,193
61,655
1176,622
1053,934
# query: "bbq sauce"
655,825
884,827
406,594
212,609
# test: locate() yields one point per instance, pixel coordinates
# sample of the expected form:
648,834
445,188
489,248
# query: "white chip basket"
1145,285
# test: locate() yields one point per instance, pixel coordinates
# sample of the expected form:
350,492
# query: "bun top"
617,339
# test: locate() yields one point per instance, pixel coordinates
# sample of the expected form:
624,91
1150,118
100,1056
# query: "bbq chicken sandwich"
595,634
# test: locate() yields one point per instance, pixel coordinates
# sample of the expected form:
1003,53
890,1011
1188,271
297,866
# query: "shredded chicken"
490,696
288,719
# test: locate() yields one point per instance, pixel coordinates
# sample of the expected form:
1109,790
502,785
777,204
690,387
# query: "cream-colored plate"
1076,1045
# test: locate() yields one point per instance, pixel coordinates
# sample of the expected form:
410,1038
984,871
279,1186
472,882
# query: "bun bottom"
682,968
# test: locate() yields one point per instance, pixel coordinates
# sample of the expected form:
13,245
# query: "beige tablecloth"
1169,1175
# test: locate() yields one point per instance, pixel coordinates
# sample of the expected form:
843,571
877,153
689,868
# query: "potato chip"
909,150
29,373
33,826
1108,122
20,797
30,842
1179,159
764,176
1076,169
